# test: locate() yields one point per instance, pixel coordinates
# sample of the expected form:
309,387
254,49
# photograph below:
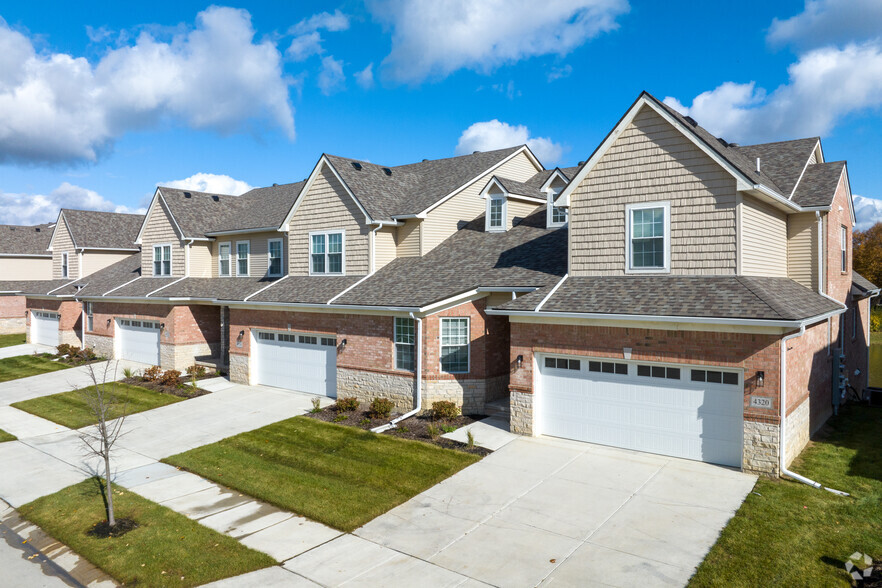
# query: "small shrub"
74,351
347,404
129,373
433,430
470,439
316,405
151,374
87,354
381,408
875,322
448,428
171,378
196,371
445,410
403,430
64,349
340,418
364,422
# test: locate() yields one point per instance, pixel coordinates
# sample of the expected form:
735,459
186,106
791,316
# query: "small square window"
730,378
593,366
644,370
672,373
622,369
714,377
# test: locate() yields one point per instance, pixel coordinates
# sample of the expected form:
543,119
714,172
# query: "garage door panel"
138,340
44,328
670,416
305,363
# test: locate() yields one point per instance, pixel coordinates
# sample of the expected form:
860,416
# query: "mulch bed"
74,360
102,530
415,428
184,390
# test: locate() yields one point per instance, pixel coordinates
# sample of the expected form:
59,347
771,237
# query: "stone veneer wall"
368,385
11,326
12,315
103,346
521,412
761,442
180,357
239,369
798,430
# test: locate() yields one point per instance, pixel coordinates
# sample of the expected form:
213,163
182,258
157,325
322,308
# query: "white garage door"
302,362
682,411
138,340
44,327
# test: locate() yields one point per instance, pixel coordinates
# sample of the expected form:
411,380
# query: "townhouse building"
23,257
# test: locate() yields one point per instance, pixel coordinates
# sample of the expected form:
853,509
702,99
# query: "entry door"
138,340
302,362
44,327
681,411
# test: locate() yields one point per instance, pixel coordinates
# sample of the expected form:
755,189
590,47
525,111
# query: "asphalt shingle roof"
861,285
100,282
25,240
783,160
214,288
306,289
34,287
818,184
743,297
103,230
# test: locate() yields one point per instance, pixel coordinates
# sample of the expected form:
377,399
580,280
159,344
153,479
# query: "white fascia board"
107,249
381,223
521,289
171,215
153,202
242,231
802,173
319,307
323,160
493,181
26,255
524,149
533,199
848,193
54,230
556,173
775,197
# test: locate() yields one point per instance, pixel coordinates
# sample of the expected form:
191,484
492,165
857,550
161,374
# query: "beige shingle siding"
384,247
408,238
201,260
802,249
467,204
160,230
63,243
25,268
327,206
653,162
98,260
763,239
518,209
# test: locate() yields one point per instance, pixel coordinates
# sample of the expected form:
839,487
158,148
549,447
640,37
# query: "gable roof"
818,184
784,161
25,240
92,229
861,286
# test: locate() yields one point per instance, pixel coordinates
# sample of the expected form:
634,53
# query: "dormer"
507,202
555,216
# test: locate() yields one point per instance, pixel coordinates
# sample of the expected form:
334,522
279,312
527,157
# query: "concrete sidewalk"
62,380
24,349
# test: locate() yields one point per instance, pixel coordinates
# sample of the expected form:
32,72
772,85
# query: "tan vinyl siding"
802,249
498,298
384,247
259,246
467,204
408,238
518,210
763,239
651,161
25,268
98,260
200,260
62,242
160,230
326,207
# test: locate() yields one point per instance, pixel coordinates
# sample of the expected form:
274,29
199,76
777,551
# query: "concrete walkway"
24,349
61,381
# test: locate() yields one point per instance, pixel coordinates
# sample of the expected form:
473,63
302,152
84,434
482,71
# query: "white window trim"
65,265
490,199
395,342
171,269
549,207
269,261
342,271
468,344
90,317
843,246
629,208
248,259
229,259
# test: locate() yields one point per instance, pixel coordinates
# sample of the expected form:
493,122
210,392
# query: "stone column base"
103,346
239,366
761,445
13,326
180,357
521,412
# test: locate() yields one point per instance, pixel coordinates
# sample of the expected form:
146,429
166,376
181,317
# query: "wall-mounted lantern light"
520,361
760,379
343,345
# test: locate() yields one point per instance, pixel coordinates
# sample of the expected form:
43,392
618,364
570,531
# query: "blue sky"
100,102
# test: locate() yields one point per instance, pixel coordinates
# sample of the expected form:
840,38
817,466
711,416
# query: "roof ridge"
779,142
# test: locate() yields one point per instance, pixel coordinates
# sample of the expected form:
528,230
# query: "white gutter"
776,197
419,379
28,255
309,305
869,333
550,294
265,287
242,231
782,447
388,223
106,249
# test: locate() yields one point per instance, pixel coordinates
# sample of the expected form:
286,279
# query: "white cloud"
32,209
867,212
493,134
824,86
365,77
214,183
56,107
434,39
557,73
829,21
331,79
305,46
307,40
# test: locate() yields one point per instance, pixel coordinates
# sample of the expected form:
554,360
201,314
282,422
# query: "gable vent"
356,165
215,198
187,195
690,120
387,171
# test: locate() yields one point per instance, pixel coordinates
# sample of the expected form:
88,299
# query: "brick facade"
70,327
12,315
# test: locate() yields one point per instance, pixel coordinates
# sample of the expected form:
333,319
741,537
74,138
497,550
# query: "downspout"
419,381
782,449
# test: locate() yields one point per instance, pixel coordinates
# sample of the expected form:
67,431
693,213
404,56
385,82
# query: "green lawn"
10,340
71,410
4,436
339,476
167,549
789,534
875,337
22,366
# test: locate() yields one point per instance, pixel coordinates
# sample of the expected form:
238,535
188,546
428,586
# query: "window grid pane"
558,214
318,243
454,345
224,256
335,263
496,205
647,238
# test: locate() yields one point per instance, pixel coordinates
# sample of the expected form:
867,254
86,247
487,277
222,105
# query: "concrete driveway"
62,380
561,513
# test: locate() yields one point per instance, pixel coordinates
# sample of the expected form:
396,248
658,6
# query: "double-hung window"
223,260
326,253
496,213
648,237
162,260
455,345
90,319
557,215
243,251
274,252
64,265
404,344
843,244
